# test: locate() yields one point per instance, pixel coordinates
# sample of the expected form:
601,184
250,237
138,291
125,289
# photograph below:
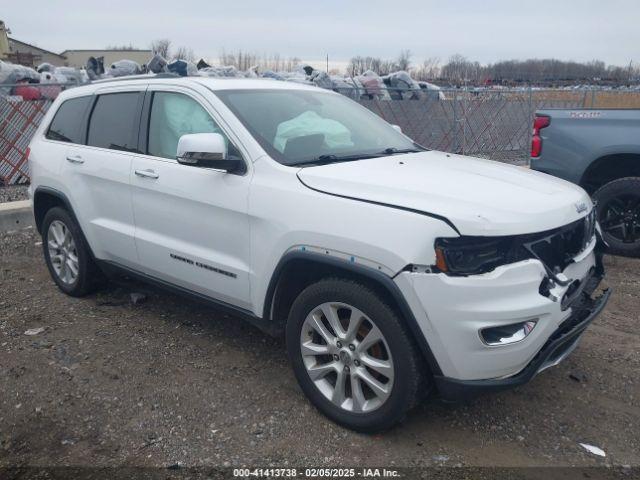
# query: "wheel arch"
609,167
44,199
298,269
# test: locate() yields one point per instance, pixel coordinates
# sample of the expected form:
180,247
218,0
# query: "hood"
479,197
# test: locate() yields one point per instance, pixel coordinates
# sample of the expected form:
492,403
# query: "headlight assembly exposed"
471,255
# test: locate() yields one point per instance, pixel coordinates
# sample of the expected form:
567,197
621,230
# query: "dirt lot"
109,382
13,193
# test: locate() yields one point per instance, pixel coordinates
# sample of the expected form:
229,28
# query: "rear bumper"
556,349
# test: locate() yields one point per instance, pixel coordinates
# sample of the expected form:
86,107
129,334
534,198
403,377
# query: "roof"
211,83
61,55
251,83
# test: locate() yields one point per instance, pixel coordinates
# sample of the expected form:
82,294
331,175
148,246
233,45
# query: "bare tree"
184,53
404,60
429,70
552,71
459,70
291,64
245,60
241,60
161,47
358,65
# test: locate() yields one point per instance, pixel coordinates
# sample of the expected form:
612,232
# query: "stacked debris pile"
47,81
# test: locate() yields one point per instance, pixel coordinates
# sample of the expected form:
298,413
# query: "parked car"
600,151
392,271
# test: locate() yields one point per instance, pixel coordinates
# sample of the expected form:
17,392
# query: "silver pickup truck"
600,151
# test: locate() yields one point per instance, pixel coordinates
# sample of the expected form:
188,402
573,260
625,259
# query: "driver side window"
173,115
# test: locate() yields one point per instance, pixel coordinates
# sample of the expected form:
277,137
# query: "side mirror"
397,128
207,150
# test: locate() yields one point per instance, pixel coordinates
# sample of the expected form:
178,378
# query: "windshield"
301,127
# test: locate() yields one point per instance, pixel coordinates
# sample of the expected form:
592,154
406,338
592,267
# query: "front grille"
557,248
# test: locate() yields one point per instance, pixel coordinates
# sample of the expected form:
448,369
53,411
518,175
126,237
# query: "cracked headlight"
471,255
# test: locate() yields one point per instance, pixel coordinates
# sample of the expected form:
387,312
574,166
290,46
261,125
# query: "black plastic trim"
452,389
111,269
377,276
382,204
84,128
54,193
67,204
145,115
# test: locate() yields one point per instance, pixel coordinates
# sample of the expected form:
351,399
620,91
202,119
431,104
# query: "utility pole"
327,63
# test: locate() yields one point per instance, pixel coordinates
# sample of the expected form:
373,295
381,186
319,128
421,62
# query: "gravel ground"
111,383
13,193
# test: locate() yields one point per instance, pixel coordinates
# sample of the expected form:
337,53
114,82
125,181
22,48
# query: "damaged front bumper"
558,347
584,309
455,312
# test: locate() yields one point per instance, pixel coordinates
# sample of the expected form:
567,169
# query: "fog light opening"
507,334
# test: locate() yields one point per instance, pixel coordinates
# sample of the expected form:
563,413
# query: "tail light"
539,122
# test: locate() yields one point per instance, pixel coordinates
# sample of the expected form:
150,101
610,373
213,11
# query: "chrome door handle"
75,159
147,173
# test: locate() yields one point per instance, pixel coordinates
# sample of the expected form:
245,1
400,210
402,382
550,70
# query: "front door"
192,228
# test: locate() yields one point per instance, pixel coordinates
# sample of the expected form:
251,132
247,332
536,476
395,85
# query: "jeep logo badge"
581,207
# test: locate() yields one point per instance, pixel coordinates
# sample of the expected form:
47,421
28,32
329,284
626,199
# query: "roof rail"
137,77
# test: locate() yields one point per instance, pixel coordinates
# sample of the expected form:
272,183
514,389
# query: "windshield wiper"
332,158
394,150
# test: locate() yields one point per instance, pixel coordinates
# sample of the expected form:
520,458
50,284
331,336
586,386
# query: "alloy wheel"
347,357
620,218
63,253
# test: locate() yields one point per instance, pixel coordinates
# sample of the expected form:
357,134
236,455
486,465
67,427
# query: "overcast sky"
483,30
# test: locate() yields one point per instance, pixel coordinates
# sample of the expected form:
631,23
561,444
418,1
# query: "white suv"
393,271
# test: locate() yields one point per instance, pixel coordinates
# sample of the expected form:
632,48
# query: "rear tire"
618,210
382,380
67,255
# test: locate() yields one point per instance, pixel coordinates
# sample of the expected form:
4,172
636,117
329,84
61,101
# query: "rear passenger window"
67,122
113,122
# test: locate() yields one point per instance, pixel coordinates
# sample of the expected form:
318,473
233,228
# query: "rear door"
66,130
192,228
99,173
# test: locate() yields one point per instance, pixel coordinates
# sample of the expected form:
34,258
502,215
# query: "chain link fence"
490,123
494,124
19,119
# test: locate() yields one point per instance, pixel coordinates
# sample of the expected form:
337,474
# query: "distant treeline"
459,70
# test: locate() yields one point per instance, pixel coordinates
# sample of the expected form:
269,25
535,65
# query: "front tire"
67,254
618,210
352,355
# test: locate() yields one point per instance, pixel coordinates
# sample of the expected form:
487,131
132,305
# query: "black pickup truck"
600,151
